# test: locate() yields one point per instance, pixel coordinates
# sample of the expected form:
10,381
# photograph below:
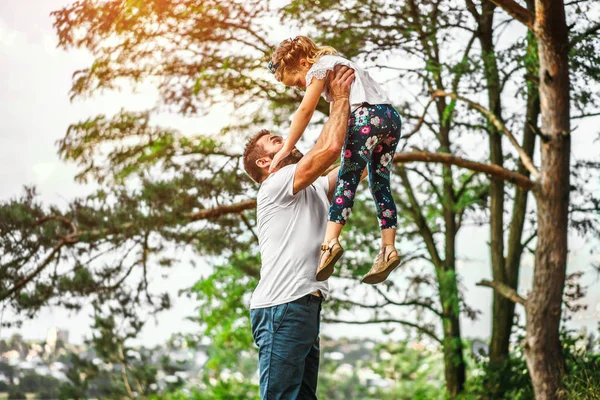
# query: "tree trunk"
542,348
501,305
504,310
454,365
515,245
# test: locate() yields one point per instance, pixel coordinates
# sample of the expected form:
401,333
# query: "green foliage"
223,312
16,394
510,380
156,181
335,387
80,374
223,390
417,370
34,383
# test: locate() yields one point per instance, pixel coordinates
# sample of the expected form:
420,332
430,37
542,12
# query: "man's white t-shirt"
291,228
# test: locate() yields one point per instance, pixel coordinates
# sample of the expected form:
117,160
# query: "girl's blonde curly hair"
287,57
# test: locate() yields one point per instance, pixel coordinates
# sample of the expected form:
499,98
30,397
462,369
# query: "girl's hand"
281,154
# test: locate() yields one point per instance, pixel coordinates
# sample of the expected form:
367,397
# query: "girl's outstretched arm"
301,119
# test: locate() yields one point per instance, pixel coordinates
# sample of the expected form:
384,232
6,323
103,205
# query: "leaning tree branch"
448,159
517,11
504,291
527,162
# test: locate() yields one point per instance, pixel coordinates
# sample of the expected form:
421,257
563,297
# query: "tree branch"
60,218
417,127
71,238
247,223
409,303
448,159
428,180
473,9
75,235
422,329
222,210
33,274
144,261
415,209
590,31
527,162
464,186
517,11
529,239
580,116
504,291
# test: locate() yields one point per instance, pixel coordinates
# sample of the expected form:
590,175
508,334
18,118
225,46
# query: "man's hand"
281,154
340,83
331,140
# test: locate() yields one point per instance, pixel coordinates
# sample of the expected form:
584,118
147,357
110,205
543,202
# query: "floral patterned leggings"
373,134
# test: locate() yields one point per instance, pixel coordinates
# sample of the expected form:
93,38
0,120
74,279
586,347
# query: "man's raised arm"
330,142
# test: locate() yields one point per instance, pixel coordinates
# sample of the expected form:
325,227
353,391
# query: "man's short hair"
252,152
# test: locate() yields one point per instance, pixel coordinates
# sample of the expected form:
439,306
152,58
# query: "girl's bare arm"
304,113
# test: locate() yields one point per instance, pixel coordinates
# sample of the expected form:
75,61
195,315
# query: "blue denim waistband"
308,298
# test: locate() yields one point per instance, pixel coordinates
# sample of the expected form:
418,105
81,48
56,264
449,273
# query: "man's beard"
292,158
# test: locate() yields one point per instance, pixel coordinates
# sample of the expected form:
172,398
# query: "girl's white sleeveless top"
364,88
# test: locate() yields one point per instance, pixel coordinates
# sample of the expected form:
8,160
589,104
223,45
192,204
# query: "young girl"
371,140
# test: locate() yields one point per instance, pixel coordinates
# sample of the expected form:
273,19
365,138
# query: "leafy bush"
16,394
511,380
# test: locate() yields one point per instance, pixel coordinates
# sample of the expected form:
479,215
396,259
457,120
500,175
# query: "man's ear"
263,162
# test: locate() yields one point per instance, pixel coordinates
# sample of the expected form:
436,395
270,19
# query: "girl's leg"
355,156
379,173
333,230
379,182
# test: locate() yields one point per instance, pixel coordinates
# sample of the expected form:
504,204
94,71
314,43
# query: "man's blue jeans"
287,337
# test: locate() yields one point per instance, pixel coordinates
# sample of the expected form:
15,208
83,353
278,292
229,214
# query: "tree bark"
542,345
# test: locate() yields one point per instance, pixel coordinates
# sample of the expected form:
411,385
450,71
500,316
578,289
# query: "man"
292,207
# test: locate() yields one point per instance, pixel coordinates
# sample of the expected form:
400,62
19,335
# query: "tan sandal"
330,254
385,263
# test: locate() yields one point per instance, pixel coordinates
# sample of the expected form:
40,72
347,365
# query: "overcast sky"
36,112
